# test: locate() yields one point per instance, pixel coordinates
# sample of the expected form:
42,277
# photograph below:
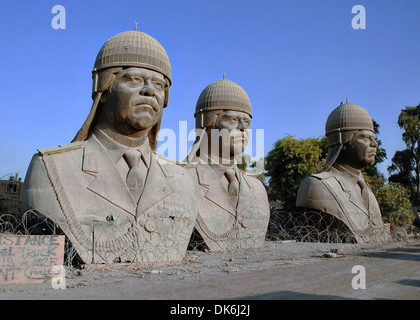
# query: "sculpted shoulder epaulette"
189,165
322,175
253,175
163,160
62,148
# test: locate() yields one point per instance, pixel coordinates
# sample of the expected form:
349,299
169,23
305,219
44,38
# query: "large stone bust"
111,194
233,205
339,189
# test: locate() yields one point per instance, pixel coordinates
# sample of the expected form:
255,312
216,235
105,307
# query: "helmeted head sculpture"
130,49
233,205
340,127
338,193
113,196
223,105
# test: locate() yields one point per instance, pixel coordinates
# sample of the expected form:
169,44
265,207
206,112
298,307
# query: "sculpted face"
135,101
360,152
237,124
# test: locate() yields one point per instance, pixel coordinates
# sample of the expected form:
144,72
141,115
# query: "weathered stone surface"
114,198
339,188
233,205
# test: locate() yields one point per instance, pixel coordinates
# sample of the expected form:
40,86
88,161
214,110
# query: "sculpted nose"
374,143
242,125
147,89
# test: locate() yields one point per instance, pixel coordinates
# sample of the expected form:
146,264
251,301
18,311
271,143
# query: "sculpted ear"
104,97
165,103
103,82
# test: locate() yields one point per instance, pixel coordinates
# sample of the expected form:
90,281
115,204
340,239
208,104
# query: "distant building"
10,195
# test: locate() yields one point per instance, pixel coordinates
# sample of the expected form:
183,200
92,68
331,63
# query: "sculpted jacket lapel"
107,183
216,193
353,198
375,214
157,186
246,193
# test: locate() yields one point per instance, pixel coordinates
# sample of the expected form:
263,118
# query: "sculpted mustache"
144,100
239,133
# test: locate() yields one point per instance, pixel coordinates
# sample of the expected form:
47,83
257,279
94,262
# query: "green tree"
289,162
395,205
393,196
409,121
401,170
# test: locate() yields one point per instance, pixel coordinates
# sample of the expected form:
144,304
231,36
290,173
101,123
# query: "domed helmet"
342,120
222,95
218,96
133,49
127,49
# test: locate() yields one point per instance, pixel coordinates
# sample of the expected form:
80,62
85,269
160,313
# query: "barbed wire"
34,223
315,226
300,227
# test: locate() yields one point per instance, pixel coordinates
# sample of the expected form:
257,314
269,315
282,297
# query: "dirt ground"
279,270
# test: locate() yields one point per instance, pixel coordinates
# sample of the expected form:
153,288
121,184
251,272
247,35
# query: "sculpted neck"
132,140
211,159
348,167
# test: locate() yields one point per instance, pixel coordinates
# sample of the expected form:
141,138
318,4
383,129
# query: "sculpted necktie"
233,188
364,190
135,177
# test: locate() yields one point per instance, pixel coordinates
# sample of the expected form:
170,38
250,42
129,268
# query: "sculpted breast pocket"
110,227
164,225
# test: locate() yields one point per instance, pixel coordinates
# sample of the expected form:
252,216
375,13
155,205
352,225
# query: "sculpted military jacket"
334,193
222,225
79,187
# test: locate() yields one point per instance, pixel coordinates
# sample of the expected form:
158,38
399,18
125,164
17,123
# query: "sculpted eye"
158,85
135,80
234,121
132,80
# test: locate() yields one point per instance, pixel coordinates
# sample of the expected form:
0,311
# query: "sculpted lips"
372,153
147,102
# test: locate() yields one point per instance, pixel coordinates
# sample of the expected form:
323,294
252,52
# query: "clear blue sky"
297,60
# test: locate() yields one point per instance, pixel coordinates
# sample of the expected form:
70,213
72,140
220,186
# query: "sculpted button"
147,223
150,225
246,223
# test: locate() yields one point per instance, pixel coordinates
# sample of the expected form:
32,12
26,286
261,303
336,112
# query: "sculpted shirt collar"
117,150
353,177
218,169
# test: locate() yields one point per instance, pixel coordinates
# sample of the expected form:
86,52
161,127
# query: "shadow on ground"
290,295
410,282
409,254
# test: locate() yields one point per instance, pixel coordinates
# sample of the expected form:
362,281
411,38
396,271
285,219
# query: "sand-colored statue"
111,194
233,205
339,189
